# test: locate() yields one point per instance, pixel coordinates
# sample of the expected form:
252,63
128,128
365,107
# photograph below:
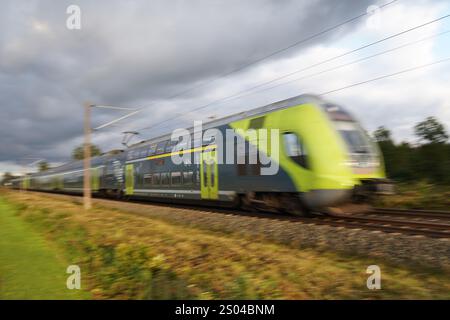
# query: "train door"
26,183
95,179
209,185
129,179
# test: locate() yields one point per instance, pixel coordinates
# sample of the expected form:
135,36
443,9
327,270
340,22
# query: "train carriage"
325,159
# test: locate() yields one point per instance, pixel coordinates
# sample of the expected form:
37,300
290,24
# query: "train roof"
283,104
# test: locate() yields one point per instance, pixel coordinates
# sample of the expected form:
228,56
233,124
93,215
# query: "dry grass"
127,256
418,195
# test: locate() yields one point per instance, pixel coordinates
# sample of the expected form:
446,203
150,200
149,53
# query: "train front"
354,164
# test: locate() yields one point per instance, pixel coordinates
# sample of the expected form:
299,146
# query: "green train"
322,156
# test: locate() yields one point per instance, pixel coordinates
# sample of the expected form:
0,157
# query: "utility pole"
87,190
87,193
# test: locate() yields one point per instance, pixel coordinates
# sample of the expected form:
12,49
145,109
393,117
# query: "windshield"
356,139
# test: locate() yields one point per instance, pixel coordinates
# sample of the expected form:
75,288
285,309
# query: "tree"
382,134
428,161
78,152
43,166
431,131
432,157
383,137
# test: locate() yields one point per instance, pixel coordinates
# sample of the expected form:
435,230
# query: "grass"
124,256
29,267
417,195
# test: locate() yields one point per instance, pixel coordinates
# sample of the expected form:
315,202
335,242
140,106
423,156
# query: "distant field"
125,256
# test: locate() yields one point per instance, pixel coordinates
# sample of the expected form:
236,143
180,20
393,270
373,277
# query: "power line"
382,77
244,66
303,69
344,65
311,37
386,76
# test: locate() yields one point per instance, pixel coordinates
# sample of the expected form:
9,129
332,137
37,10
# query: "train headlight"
374,163
350,163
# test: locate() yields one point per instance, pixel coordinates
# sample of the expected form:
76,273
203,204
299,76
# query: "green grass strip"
29,267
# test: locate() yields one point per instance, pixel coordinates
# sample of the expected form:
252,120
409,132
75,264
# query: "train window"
143,153
165,178
170,146
151,149
176,178
148,178
197,143
355,137
213,179
188,177
156,178
295,149
197,177
185,145
110,168
256,123
209,140
161,147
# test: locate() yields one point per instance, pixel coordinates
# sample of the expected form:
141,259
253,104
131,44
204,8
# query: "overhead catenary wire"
258,60
343,65
302,70
387,76
295,44
382,77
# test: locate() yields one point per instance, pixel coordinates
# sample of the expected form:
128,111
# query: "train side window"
156,178
197,177
143,153
161,147
176,178
188,177
295,149
209,140
165,178
151,149
148,179
257,123
170,145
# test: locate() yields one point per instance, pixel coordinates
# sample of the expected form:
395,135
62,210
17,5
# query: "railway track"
413,213
435,224
437,228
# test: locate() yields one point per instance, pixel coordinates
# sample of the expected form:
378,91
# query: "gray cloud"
133,53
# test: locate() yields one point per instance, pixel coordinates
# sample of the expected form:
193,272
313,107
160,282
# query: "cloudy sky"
138,53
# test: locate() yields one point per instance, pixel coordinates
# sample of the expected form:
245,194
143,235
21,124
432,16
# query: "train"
325,159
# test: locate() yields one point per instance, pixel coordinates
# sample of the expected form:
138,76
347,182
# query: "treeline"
429,159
